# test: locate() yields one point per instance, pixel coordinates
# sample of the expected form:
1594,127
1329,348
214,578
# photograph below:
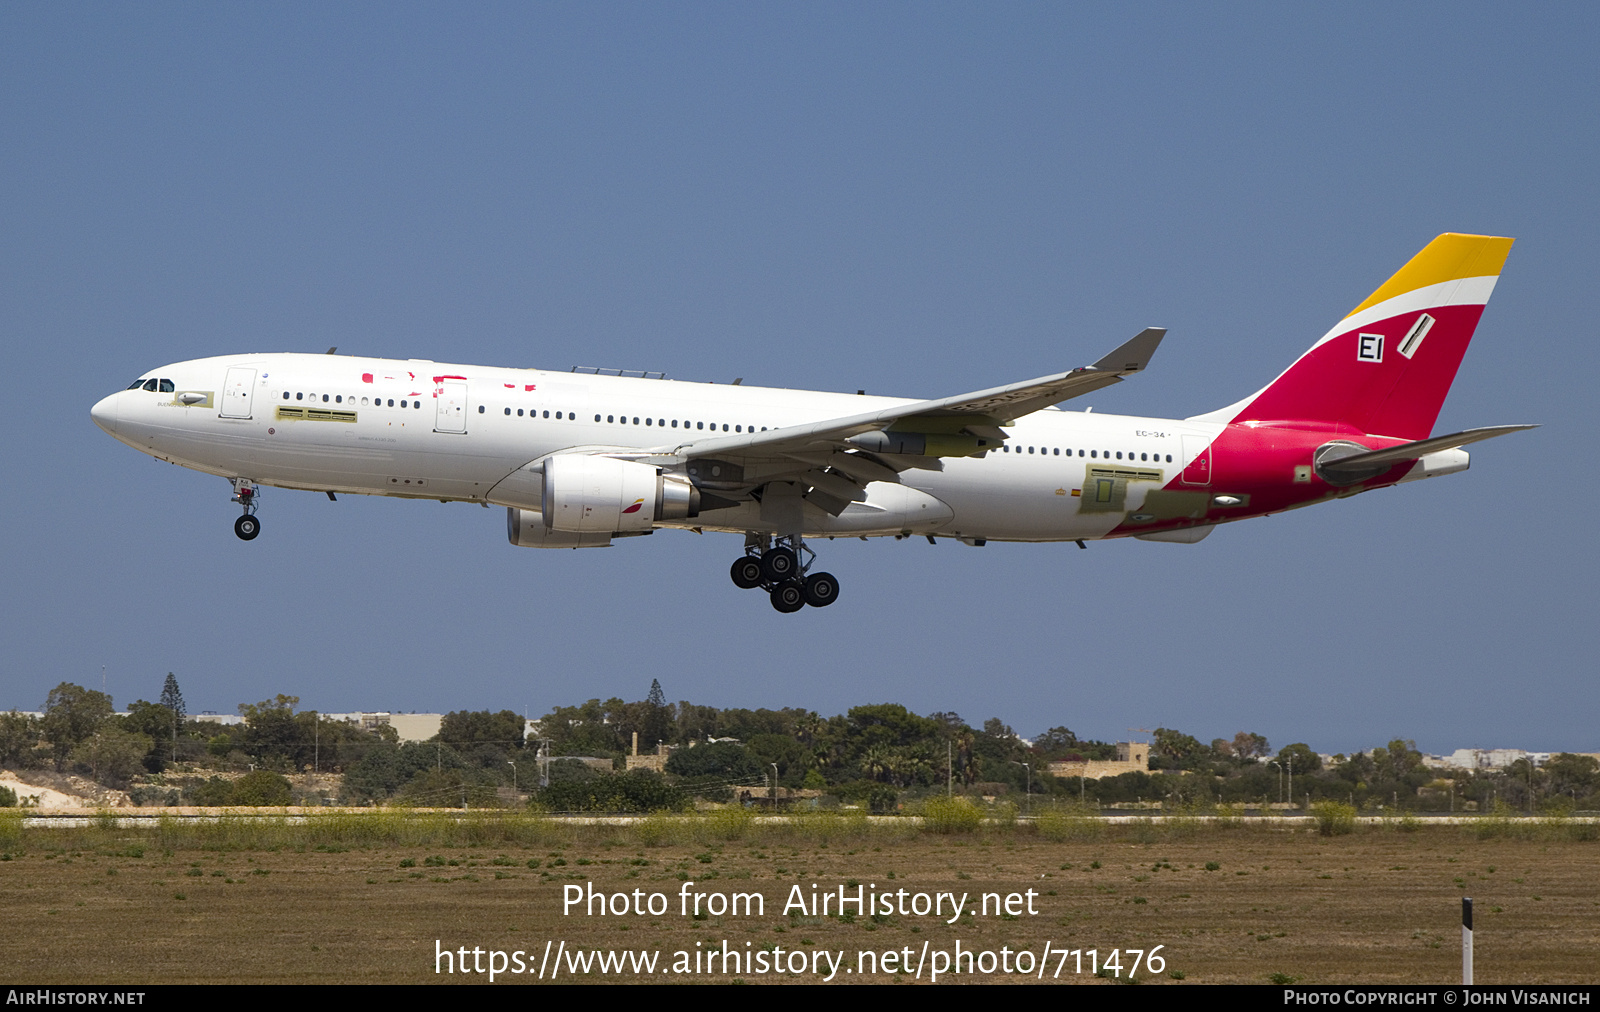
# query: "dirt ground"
1239,906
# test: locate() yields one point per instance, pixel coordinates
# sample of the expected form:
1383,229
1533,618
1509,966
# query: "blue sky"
912,199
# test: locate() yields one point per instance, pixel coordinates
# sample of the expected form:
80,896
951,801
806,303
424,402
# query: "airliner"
583,458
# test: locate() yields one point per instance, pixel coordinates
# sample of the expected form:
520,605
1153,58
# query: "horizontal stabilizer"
1422,447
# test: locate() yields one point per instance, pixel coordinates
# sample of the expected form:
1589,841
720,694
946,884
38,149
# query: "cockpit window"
167,387
136,384
150,385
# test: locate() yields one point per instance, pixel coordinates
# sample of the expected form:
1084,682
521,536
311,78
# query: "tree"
1299,758
19,736
387,767
724,759
1576,776
1248,746
1056,741
271,729
71,714
156,723
638,791
1176,748
172,698
655,722
112,754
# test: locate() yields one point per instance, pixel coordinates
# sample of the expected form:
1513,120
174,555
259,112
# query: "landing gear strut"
778,569
246,493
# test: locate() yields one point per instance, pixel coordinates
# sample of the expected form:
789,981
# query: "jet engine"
526,529
584,494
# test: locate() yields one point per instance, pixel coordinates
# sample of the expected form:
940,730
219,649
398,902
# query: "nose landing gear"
246,493
777,569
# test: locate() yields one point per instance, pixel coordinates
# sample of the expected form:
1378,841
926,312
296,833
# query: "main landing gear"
246,493
778,570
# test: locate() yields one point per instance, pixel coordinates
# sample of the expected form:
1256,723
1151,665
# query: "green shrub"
951,815
1334,818
731,822
1070,823
261,788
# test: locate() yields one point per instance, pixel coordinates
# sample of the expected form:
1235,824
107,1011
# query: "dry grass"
360,898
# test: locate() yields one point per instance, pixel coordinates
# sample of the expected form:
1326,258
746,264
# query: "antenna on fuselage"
333,349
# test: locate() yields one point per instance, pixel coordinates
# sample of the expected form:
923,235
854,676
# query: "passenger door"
450,411
237,391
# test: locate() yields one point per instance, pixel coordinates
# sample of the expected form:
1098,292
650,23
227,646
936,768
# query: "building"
1132,757
656,762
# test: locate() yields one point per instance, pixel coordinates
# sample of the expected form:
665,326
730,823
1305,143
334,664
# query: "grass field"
365,898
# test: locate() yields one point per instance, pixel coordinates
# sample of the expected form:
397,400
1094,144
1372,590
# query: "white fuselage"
423,429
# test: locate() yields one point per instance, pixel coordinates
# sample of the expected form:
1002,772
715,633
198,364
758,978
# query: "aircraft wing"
984,409
837,457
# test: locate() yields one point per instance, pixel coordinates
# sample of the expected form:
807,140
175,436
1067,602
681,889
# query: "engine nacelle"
526,529
585,494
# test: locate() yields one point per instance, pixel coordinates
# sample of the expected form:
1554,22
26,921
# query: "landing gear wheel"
746,572
821,590
247,527
779,564
788,597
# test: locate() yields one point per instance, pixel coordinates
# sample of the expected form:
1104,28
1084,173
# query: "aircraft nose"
105,414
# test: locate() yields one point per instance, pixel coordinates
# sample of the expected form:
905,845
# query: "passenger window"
391,402
324,398
699,425
674,423
298,396
508,410
286,395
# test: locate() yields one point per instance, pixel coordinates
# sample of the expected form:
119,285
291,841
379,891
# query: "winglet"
1134,354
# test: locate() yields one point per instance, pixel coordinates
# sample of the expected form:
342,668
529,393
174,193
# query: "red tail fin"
1386,367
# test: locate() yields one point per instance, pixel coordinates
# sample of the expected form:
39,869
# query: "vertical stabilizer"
1386,367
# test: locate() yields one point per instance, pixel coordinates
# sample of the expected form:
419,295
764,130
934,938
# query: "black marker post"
1466,939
